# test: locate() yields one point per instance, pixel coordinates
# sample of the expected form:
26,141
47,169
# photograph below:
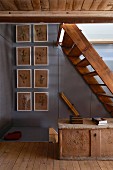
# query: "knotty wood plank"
33,156
53,5
36,5
44,153
87,4
77,4
62,5
9,5
63,165
95,5
69,5
104,165
44,5
12,156
95,143
24,5
50,156
86,165
91,55
26,157
56,161
39,156
21,156
75,165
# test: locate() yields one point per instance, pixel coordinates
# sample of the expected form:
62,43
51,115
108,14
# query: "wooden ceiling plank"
24,5
69,5
104,5
1,7
87,4
77,4
44,5
9,5
95,5
36,5
62,5
53,5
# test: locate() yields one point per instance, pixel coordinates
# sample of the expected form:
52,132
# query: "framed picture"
24,78
41,101
24,101
40,32
23,56
23,33
40,78
40,55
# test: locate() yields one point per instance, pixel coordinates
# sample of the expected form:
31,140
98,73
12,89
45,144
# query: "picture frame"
24,101
41,78
24,79
23,56
23,33
40,32
41,102
40,55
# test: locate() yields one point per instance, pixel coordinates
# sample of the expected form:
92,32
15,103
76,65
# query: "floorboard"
42,156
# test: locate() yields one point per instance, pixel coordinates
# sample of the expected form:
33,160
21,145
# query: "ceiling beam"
56,16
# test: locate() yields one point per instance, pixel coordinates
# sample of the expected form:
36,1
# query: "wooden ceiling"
78,11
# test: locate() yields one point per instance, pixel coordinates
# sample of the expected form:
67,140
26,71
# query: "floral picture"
40,55
23,56
24,101
40,78
40,101
23,78
40,32
23,33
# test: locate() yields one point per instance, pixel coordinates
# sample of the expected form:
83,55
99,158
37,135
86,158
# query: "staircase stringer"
90,54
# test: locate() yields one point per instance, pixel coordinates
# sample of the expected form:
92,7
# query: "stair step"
67,41
93,73
83,63
74,52
104,95
110,104
97,84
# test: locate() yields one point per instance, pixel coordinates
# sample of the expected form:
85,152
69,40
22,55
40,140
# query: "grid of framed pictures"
24,62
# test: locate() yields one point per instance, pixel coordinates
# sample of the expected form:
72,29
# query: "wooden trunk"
86,141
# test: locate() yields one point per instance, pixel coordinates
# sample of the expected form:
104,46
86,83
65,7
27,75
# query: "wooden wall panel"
95,143
36,4
44,5
61,5
87,4
77,4
107,142
53,5
8,5
75,143
24,5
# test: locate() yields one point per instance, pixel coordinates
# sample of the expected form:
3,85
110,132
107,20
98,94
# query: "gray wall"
62,77
5,75
41,118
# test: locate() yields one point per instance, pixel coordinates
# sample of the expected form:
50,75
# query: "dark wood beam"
56,16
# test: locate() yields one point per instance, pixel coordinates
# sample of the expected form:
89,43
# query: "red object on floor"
13,135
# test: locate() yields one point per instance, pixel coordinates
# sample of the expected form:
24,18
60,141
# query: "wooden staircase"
88,63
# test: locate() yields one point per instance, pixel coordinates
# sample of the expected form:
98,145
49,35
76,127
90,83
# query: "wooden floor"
42,156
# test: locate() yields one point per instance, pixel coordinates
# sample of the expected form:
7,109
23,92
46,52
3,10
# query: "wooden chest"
85,141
